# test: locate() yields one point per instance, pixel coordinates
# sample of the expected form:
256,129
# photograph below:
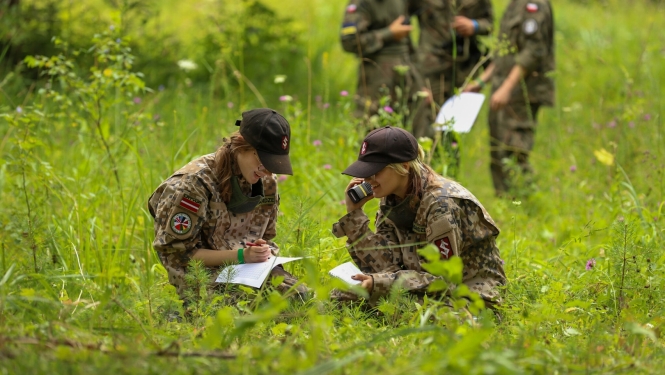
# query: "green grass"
94,298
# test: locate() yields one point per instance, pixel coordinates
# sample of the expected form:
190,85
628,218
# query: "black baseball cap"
270,134
381,147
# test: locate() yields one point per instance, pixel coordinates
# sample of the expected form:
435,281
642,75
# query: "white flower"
280,78
187,65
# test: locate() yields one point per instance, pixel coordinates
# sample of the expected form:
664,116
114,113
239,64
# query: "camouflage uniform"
192,197
526,38
448,216
365,33
437,41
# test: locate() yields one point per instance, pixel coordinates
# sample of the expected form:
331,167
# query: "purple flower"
631,124
326,105
573,168
502,262
137,100
453,144
285,98
161,88
388,109
19,109
229,104
590,264
342,202
344,93
647,117
282,178
317,143
327,166
612,124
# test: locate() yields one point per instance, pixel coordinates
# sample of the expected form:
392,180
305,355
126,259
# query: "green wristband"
480,82
241,256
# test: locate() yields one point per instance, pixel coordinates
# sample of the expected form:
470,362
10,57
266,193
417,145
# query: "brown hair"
226,162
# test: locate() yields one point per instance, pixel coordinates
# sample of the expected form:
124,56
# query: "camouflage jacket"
449,217
190,215
365,27
526,38
437,39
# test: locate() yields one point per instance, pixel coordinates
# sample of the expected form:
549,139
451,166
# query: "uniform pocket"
441,231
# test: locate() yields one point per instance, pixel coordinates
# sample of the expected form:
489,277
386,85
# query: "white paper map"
345,271
462,110
251,274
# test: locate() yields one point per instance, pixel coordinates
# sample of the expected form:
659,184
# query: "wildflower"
647,117
604,156
317,98
327,166
282,178
326,105
388,109
137,100
631,124
573,168
590,264
187,65
344,93
285,98
19,110
612,124
229,105
280,78
502,262
107,72
161,88
317,143
453,144
342,202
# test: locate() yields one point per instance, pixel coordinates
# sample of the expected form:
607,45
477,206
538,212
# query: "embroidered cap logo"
363,149
285,142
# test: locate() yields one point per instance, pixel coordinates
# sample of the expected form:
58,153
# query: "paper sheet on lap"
251,274
462,109
345,271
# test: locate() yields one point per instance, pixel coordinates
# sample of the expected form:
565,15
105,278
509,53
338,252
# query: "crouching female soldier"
417,207
222,207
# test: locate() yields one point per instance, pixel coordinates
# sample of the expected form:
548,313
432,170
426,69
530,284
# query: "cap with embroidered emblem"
381,147
270,134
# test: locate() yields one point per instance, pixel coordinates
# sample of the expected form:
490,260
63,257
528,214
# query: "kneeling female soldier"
222,207
417,207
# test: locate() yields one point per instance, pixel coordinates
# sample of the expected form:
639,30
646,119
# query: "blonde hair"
414,169
226,164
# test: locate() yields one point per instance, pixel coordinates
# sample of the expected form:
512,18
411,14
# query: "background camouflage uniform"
213,227
365,33
512,128
447,213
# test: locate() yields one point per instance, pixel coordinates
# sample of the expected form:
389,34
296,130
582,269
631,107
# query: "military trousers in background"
512,130
377,77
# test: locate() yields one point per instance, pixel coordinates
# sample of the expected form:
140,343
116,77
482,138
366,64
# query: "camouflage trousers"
380,77
511,137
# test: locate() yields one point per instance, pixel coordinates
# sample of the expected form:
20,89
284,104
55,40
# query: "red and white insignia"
351,8
181,223
285,142
190,203
363,149
532,8
444,247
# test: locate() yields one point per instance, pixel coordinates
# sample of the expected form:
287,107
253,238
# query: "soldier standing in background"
378,33
520,85
448,51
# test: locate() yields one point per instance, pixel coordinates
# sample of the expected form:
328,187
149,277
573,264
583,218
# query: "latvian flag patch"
190,204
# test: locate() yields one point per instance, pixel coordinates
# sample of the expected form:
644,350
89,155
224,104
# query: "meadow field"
83,146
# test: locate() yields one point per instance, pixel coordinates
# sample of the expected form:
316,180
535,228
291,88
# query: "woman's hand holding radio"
350,204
